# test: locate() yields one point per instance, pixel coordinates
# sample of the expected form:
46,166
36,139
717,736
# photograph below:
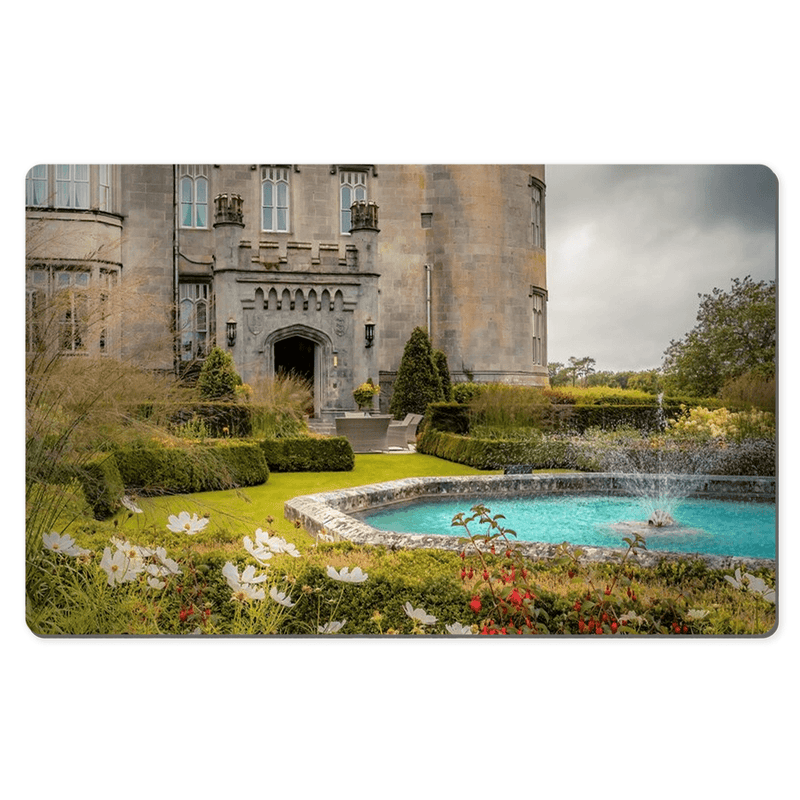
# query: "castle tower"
485,254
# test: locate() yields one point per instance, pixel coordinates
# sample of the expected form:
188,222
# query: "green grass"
238,512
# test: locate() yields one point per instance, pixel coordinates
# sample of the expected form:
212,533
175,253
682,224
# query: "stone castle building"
320,269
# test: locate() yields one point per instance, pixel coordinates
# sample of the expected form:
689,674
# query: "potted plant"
364,393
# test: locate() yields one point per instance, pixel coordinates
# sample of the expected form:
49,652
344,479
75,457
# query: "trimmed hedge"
541,453
449,417
155,469
307,454
102,484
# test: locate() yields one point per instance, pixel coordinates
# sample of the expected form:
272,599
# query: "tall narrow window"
193,196
352,187
73,312
36,189
539,330
72,185
104,187
193,320
36,298
274,199
537,212
108,284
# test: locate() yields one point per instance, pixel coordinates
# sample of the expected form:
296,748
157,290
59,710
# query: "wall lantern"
369,333
335,358
230,328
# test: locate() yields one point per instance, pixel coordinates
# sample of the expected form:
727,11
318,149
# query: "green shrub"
464,392
539,452
418,383
218,377
450,417
440,361
218,419
308,454
152,468
102,484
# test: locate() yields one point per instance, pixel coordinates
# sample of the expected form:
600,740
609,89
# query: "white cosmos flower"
246,592
184,523
419,614
751,582
331,627
120,568
280,597
259,553
130,505
131,550
155,583
457,629
62,543
169,564
275,544
344,575
697,613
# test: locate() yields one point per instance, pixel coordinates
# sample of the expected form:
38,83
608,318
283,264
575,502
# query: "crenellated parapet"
228,210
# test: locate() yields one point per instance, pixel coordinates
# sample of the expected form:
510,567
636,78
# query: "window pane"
201,188
283,191
361,193
186,215
186,190
185,315
282,226
347,197
346,221
267,194
200,315
202,216
81,195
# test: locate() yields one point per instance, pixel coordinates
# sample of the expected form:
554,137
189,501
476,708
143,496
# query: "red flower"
463,574
515,598
577,605
613,627
475,604
581,625
486,575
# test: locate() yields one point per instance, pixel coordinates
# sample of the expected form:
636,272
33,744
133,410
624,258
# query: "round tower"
485,255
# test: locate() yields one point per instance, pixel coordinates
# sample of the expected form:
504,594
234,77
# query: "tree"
218,378
440,360
418,382
735,334
580,368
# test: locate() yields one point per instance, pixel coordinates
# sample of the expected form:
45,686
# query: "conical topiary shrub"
218,378
440,360
418,382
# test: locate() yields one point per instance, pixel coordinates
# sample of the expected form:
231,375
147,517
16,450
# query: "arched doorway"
302,351
295,356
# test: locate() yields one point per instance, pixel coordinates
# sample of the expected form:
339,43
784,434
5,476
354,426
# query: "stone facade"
300,260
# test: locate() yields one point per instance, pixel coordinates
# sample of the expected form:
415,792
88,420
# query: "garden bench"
365,434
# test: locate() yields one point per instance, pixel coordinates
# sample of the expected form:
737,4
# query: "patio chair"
404,432
365,434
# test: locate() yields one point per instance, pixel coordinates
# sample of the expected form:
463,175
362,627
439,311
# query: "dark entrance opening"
295,356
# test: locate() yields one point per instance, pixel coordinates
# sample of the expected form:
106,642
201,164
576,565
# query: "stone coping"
331,512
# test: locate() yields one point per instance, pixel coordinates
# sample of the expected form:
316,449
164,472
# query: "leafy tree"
418,382
218,378
735,334
440,360
580,368
645,381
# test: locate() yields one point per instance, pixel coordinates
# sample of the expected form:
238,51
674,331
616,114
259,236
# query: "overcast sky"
629,248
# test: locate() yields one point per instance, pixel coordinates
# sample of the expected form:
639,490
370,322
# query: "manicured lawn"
239,512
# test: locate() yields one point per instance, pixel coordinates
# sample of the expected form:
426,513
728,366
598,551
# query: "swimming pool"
719,527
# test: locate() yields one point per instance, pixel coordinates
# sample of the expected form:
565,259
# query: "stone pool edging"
330,512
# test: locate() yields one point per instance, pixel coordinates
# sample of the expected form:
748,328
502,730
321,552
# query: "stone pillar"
228,230
364,237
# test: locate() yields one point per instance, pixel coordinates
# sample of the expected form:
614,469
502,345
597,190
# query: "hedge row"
455,417
153,469
307,454
220,418
541,453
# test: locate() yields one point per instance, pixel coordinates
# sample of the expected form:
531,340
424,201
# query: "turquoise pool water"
717,527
